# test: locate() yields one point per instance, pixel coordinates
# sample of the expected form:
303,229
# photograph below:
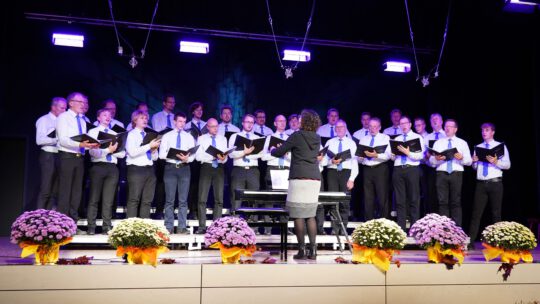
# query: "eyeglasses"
404,123
75,100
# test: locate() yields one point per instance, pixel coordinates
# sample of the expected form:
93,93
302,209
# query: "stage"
199,277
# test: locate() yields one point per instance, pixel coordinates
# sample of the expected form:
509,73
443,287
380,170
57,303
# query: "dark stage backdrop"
490,72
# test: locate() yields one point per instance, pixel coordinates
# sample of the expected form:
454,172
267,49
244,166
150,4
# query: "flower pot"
228,258
381,258
138,255
46,255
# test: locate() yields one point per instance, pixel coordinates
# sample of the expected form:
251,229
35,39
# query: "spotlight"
194,47
397,66
295,55
68,40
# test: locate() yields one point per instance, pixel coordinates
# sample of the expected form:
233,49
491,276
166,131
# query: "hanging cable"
143,51
412,40
436,74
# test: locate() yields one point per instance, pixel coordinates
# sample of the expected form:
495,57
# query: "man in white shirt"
328,130
245,173
196,110
431,200
394,130
364,118
177,175
69,124
226,125
260,128
103,175
294,124
406,176
489,185
420,127
376,176
110,105
341,172
450,171
141,106
165,118
212,172
48,155
140,170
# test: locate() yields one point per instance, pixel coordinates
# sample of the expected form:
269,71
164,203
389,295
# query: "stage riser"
259,283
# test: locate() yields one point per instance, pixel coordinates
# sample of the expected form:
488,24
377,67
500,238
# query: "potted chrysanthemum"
511,241
444,240
41,232
141,239
232,236
375,241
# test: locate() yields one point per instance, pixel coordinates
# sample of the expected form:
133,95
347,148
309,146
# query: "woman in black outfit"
304,180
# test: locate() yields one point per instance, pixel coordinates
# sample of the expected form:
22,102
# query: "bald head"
280,122
212,126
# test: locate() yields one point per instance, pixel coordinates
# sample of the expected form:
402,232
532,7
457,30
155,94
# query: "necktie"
178,143
169,121
108,157
262,131
281,161
199,125
437,136
81,149
110,126
331,131
340,149
245,159
149,152
403,157
485,165
371,143
365,134
449,162
226,128
214,162
395,131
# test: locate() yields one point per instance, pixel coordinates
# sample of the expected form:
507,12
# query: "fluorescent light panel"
68,40
194,47
294,55
397,66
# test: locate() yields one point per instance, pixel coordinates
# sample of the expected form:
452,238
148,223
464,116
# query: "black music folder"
118,129
173,151
52,134
149,137
259,134
344,155
90,139
89,126
431,142
324,140
215,151
275,141
361,149
448,153
413,144
196,132
258,143
120,138
323,150
228,135
482,153
393,136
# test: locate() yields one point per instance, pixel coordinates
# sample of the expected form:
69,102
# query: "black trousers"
431,201
242,178
375,184
159,192
103,182
337,181
71,173
214,177
486,191
193,197
142,184
406,184
449,194
48,189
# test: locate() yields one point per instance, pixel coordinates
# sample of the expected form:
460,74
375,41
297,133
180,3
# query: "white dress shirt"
361,133
461,146
238,156
45,125
290,131
230,128
324,131
66,127
204,142
200,124
274,161
100,155
414,158
113,123
159,120
493,170
392,131
135,153
264,130
379,140
351,163
169,141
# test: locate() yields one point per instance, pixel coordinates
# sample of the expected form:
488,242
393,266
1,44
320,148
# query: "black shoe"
321,232
301,255
105,231
312,252
80,232
91,231
183,231
201,231
268,232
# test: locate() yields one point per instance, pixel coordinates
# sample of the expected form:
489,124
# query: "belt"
405,166
210,164
491,180
74,155
246,167
278,167
177,165
135,166
103,164
375,166
446,173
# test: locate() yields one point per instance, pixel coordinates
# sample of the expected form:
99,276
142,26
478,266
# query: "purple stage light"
194,47
68,40
295,55
397,66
